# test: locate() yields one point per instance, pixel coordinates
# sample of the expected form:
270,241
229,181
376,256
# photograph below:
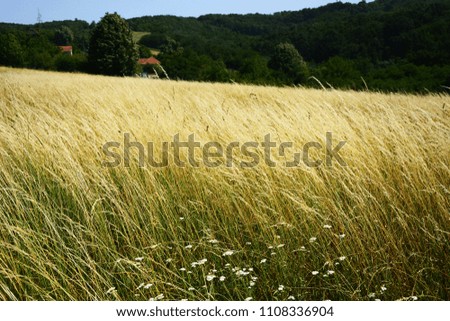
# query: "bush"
73,63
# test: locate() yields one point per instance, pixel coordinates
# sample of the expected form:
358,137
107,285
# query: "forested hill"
399,45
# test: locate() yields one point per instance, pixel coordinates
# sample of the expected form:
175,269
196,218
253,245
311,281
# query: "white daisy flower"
242,273
159,297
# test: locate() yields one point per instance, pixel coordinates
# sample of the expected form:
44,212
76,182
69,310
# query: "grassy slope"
137,35
72,229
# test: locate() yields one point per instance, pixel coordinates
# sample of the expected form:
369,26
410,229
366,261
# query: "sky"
26,11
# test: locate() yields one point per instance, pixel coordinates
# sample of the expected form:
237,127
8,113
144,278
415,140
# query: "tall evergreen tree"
112,50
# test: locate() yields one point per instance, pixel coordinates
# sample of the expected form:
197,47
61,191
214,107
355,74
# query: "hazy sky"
26,11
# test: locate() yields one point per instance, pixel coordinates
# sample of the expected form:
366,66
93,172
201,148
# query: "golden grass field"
72,229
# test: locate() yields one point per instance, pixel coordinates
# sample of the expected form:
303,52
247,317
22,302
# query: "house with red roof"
149,61
148,67
66,50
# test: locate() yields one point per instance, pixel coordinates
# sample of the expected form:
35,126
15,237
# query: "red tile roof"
149,61
65,48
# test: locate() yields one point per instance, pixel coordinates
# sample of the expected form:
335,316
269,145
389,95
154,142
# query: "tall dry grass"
71,229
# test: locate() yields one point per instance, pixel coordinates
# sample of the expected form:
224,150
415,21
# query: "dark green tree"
64,36
40,51
340,72
11,52
171,46
112,50
144,52
154,40
288,60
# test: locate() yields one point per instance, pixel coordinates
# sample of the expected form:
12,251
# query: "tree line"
388,45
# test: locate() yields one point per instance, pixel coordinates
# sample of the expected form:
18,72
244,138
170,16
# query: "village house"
67,50
148,65
149,61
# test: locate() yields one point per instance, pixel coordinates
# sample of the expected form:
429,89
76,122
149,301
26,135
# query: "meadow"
73,229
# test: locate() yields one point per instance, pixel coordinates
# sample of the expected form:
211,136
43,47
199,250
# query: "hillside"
389,45
75,227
